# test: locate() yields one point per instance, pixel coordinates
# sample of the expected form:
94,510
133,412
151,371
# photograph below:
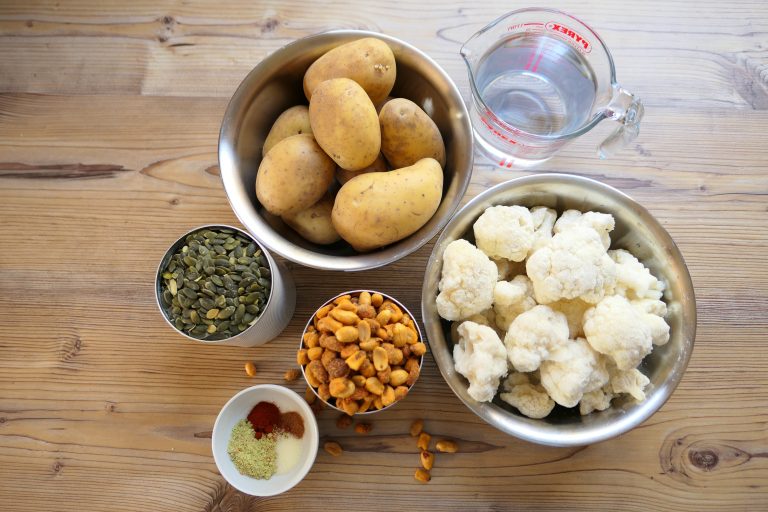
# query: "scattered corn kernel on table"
109,117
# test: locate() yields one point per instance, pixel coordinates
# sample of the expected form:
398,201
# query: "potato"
293,121
378,208
369,62
314,223
294,175
345,124
408,134
378,165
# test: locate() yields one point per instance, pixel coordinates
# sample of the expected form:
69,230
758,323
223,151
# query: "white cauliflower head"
619,330
633,279
505,232
510,298
530,399
574,312
628,381
571,370
481,358
533,335
603,223
597,400
543,222
573,264
466,283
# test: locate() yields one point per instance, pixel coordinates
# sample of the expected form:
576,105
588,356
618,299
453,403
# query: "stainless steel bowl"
353,293
277,311
637,231
275,84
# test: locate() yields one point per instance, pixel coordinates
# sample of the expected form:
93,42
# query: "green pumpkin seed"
217,281
239,313
225,313
252,309
248,318
221,301
223,325
194,316
189,293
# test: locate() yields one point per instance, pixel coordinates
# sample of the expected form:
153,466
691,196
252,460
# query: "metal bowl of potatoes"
636,231
275,85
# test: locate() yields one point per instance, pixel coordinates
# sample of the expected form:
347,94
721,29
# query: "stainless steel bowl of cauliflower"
559,310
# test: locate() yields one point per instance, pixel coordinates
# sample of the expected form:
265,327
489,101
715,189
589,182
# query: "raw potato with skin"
314,223
345,124
293,176
378,208
293,121
368,61
378,165
408,134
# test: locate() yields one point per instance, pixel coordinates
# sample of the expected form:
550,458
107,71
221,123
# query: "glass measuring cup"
539,79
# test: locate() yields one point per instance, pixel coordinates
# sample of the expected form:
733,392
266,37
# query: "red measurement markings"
496,132
505,163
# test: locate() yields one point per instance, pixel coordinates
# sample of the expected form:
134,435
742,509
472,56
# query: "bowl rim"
178,243
352,292
492,413
308,415
280,245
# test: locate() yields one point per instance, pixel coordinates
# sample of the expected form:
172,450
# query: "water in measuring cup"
537,84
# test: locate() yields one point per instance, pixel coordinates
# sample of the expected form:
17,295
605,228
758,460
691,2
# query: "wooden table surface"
109,117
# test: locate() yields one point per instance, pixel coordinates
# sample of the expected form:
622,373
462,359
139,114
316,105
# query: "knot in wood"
703,459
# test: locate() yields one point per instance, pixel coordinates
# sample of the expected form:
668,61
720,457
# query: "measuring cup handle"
627,110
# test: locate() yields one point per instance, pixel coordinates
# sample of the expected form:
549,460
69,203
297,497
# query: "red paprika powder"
264,417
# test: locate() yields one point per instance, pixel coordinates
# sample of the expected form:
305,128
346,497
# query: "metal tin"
353,292
278,309
637,231
275,84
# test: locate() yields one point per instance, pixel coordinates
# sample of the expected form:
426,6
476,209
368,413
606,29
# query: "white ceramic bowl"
237,409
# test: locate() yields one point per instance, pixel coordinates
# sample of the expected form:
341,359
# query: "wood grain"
109,118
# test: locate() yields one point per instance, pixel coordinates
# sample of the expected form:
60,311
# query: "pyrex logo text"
581,43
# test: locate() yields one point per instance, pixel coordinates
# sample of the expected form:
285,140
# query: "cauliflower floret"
571,370
466,283
510,298
597,400
573,264
659,329
530,399
481,358
620,331
543,222
533,335
633,279
629,381
574,312
654,307
505,232
603,223
508,269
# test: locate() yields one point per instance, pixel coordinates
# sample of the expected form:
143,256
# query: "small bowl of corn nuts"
361,352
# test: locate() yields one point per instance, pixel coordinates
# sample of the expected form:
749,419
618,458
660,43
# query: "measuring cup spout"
628,111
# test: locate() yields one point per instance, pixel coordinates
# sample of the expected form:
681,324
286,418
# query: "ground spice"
293,424
252,457
264,417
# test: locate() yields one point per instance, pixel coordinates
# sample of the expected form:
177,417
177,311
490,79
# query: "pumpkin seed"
212,313
225,313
